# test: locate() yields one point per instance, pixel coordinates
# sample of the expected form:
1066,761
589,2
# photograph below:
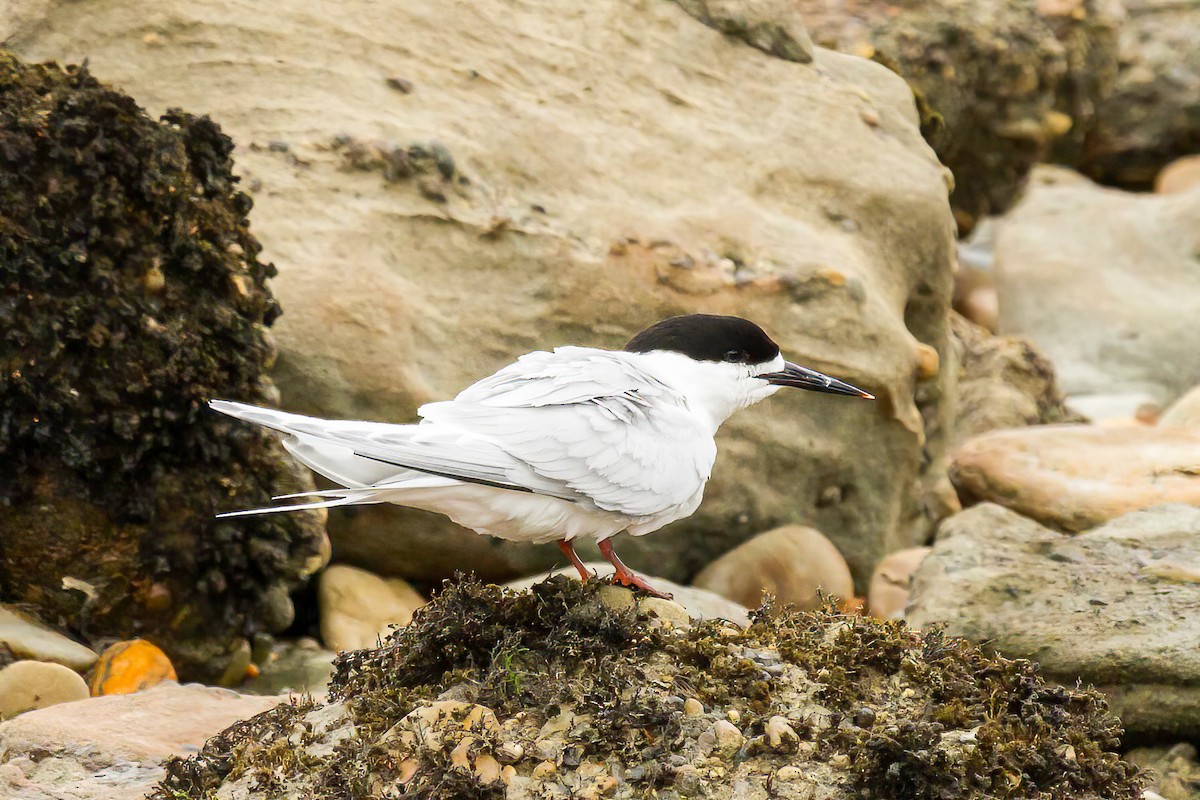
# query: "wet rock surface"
551,693
829,226
133,294
1074,477
112,748
1112,606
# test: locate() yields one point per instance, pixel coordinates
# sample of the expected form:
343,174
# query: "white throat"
713,390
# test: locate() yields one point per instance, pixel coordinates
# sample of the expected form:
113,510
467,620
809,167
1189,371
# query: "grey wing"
593,423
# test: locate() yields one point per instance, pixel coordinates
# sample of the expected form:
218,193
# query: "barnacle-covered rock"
552,692
132,294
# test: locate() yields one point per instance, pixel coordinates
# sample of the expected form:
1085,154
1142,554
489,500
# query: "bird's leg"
624,575
569,551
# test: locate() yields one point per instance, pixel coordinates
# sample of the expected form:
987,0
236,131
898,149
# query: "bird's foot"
631,580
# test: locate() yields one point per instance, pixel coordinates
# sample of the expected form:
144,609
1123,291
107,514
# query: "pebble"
27,685
130,666
791,563
789,773
665,612
28,639
780,733
892,581
358,607
1180,175
723,739
692,707
545,770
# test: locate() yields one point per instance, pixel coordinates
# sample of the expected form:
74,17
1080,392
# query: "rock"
468,675
358,608
1152,114
997,86
1112,606
27,638
1184,413
829,227
27,685
1104,283
1174,771
127,667
141,296
1180,175
1074,477
698,602
892,582
111,748
300,666
772,26
794,564
1106,409
1003,382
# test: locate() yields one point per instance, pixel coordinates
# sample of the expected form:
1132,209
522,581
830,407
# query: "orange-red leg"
569,551
624,575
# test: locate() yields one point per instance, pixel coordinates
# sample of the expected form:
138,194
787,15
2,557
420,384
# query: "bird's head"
722,364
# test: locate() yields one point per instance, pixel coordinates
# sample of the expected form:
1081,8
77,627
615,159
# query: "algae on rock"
133,293
555,692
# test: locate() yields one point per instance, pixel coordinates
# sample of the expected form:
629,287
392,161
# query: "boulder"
793,564
112,748
998,82
637,164
1105,283
358,608
700,603
461,703
1074,477
27,638
1003,382
28,685
891,585
1152,114
1113,607
134,294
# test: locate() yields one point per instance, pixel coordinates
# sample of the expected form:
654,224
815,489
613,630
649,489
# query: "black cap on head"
706,337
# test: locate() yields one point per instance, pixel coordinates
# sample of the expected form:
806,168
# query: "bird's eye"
735,356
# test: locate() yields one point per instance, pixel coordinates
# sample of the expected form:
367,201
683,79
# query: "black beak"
805,378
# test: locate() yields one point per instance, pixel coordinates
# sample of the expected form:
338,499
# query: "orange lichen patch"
128,667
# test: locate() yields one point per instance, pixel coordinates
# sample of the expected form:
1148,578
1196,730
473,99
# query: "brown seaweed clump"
132,294
573,691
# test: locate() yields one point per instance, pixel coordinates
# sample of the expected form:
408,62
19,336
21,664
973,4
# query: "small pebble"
545,771
692,707
402,85
789,773
132,666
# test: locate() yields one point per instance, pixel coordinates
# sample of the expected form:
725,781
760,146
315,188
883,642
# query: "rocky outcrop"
1003,382
134,294
553,693
1074,477
998,82
579,172
1105,283
112,748
1152,114
1113,606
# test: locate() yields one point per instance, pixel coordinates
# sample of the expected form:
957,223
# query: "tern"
577,443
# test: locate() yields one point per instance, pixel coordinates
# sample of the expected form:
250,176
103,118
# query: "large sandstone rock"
112,748
1003,382
1074,477
1152,114
567,174
133,293
1114,606
1105,283
998,81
